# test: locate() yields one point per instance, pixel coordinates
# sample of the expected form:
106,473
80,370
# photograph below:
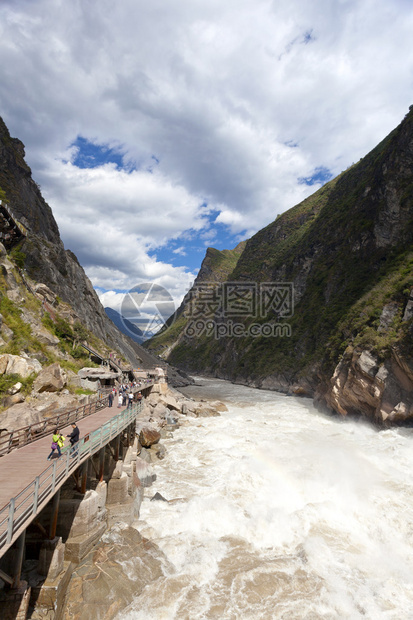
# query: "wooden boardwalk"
20,467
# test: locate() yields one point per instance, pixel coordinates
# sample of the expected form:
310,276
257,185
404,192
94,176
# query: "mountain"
125,326
322,298
31,236
215,269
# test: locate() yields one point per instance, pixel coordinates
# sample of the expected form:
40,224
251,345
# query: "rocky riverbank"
119,567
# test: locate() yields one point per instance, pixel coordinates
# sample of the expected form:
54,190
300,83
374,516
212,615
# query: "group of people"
125,396
58,441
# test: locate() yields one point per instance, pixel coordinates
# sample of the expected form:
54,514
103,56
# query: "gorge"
346,254
272,505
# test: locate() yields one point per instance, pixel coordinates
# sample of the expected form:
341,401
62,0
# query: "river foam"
280,512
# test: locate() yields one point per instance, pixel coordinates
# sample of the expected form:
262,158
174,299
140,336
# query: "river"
280,512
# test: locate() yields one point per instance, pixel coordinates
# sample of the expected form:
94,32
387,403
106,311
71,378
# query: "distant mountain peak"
125,326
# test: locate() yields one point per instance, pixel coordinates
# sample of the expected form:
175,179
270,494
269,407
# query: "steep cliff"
43,256
347,254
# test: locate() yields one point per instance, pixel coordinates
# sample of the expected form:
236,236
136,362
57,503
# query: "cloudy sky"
157,128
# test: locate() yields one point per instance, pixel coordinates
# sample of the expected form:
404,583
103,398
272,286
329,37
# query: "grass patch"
7,382
81,391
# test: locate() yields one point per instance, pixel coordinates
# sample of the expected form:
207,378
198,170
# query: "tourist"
139,397
130,399
55,444
74,438
120,399
61,441
110,399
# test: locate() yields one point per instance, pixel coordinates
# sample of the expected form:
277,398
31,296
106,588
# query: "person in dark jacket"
74,438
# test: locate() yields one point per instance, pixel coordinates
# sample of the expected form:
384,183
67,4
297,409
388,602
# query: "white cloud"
237,100
181,251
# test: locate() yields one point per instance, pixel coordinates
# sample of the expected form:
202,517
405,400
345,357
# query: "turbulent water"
281,513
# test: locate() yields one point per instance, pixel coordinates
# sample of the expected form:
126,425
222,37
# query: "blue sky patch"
194,245
320,175
91,155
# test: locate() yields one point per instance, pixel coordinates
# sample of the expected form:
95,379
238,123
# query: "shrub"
63,330
18,257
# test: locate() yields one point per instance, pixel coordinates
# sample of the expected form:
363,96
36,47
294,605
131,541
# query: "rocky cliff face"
347,252
45,258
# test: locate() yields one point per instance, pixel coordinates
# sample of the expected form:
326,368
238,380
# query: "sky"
156,129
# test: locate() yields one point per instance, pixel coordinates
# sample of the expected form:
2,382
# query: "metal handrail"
23,508
20,437
107,360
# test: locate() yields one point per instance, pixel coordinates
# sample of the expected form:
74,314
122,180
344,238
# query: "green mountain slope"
40,252
348,252
216,268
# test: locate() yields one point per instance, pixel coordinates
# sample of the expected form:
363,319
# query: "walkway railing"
107,360
11,440
21,510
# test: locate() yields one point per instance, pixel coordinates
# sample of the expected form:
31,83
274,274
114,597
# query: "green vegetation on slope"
216,267
347,249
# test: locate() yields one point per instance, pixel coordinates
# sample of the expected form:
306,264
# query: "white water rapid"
283,513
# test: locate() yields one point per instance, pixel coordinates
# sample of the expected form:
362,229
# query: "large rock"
400,413
53,403
101,589
118,489
145,472
50,379
78,516
19,416
44,336
157,452
6,332
149,436
15,388
14,399
23,366
44,293
73,379
169,401
388,315
202,409
159,411
363,386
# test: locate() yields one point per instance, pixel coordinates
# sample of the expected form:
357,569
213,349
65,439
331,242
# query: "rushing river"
282,513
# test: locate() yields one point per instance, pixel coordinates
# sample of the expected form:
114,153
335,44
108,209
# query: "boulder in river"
148,436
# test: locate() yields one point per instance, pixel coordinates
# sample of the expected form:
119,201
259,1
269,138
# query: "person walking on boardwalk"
61,441
74,438
55,444
110,399
130,399
120,400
